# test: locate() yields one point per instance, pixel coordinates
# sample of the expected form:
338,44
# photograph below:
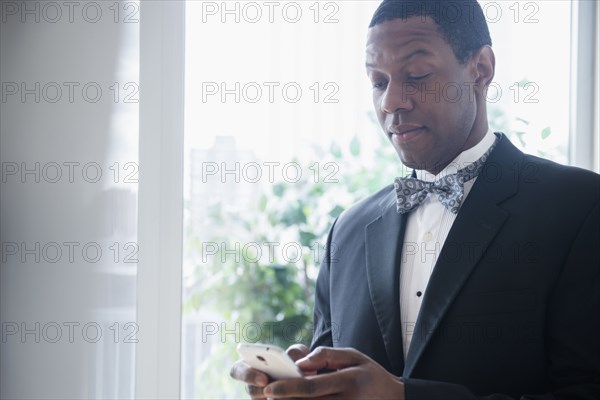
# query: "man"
482,284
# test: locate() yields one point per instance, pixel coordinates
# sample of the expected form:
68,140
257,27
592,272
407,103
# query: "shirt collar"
465,158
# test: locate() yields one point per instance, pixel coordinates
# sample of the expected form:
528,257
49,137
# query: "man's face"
424,98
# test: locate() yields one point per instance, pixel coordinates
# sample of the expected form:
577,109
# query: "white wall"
71,291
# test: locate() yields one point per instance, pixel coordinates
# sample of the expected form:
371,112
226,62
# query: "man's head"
430,63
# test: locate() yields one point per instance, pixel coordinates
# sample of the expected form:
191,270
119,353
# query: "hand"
257,380
358,377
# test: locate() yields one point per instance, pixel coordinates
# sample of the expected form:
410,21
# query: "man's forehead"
375,57
400,39
398,31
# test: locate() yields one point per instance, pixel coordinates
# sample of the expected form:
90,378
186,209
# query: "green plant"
270,298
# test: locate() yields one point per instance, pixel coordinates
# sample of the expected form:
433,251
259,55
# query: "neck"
476,135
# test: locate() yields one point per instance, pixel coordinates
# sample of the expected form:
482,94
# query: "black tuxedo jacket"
512,308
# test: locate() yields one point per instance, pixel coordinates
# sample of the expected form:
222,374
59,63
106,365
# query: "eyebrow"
419,51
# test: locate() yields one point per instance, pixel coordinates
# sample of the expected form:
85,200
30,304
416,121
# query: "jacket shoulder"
369,208
542,179
555,178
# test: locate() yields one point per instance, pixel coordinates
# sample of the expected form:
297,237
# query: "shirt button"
428,237
419,294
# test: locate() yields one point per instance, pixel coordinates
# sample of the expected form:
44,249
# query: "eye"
418,77
379,85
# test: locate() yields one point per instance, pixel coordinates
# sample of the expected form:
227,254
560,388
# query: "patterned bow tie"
411,192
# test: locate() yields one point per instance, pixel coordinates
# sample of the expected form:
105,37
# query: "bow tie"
411,192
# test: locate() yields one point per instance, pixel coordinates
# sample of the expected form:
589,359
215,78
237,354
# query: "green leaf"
522,120
337,210
520,135
335,150
293,216
262,203
307,238
546,132
195,302
523,82
316,189
278,189
355,146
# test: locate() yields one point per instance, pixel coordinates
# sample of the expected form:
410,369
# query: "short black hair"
461,22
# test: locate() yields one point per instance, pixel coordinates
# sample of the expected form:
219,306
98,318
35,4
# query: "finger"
297,351
317,386
242,372
330,358
255,392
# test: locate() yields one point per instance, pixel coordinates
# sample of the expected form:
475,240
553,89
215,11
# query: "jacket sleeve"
323,329
572,326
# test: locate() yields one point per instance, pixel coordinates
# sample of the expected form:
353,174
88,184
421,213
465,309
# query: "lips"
403,129
403,133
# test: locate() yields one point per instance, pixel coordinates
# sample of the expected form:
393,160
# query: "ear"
484,66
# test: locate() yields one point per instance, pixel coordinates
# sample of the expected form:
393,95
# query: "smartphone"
271,360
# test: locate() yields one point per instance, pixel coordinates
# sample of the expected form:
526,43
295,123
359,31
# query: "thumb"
297,351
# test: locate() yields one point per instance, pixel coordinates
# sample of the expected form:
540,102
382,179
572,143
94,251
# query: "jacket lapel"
384,237
475,227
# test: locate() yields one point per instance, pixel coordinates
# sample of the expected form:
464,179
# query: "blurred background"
170,170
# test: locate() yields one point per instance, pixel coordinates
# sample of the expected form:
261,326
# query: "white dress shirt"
426,231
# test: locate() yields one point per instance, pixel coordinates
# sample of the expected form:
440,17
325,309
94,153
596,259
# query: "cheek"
467,109
458,107
452,92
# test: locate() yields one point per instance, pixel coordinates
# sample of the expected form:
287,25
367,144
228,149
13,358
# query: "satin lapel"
475,227
384,237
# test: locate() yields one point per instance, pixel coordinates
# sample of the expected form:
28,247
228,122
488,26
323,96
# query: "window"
280,137
278,120
529,96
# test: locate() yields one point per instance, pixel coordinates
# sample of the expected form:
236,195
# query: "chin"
409,163
407,157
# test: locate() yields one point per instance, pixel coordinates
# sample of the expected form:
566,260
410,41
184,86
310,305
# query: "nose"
397,97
